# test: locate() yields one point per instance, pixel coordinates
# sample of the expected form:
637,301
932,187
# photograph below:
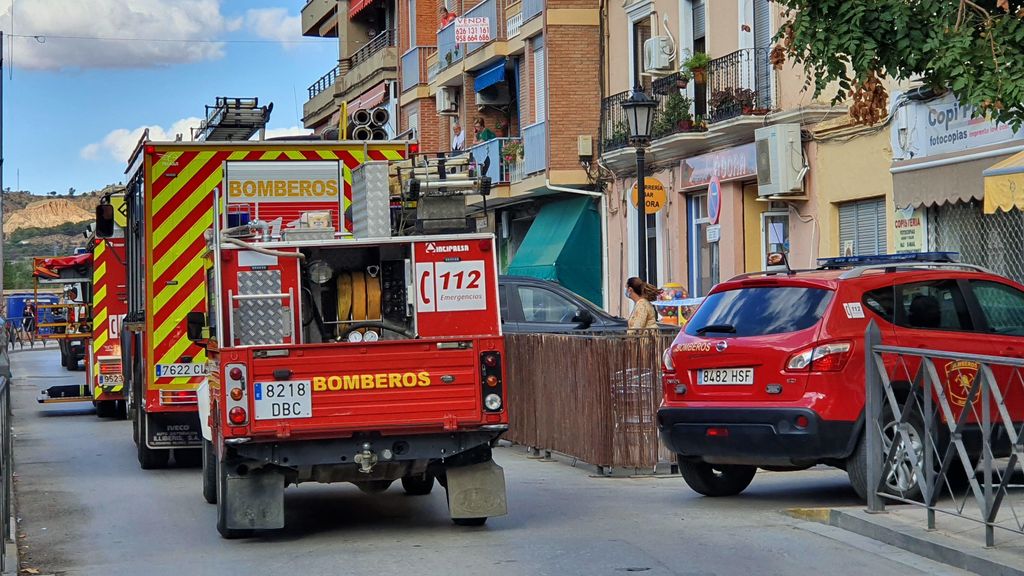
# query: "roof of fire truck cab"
349,241
185,145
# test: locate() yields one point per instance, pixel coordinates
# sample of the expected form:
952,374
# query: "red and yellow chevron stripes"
180,188
104,304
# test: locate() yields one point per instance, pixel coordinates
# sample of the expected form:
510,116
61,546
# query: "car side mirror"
583,318
196,327
104,221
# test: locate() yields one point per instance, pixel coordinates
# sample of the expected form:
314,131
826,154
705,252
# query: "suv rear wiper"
722,328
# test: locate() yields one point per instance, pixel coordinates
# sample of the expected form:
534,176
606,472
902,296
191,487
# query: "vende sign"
471,30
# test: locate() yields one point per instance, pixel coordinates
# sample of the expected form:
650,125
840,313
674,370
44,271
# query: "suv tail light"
666,360
830,357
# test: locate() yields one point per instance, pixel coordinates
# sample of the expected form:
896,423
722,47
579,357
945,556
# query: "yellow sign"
654,193
381,381
960,377
264,189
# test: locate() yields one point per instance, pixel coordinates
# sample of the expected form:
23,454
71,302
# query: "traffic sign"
714,199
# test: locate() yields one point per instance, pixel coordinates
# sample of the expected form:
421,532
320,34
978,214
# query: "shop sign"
714,200
944,126
714,233
911,229
730,164
472,30
655,197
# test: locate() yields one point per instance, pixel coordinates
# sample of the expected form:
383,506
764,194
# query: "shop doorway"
704,255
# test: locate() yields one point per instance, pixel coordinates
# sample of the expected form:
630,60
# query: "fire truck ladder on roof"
234,119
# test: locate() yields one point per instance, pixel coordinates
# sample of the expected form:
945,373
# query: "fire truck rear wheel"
419,485
121,410
105,408
149,459
209,472
469,521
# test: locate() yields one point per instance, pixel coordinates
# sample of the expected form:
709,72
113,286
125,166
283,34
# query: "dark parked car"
530,305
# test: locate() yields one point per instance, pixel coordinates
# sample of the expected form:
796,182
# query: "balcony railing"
532,8
379,42
535,148
414,66
448,52
486,9
326,81
513,21
737,84
500,167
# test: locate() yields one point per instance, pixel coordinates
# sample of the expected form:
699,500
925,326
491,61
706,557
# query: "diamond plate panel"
371,208
260,322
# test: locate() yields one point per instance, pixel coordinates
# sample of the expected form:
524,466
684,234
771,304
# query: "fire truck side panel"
109,307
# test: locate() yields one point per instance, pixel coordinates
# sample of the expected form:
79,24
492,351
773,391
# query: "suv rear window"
759,311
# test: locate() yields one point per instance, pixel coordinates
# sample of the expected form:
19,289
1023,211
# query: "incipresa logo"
435,249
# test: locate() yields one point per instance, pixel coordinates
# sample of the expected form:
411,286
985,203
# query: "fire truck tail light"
492,381
491,360
236,394
235,373
237,415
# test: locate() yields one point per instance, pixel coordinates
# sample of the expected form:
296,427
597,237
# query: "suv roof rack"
860,270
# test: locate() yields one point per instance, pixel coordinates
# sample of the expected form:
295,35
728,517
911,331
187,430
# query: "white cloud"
190,25
274,24
119,144
293,131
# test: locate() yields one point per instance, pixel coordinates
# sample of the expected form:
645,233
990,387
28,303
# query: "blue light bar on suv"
850,261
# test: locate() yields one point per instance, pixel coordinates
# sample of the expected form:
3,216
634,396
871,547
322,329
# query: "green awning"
564,245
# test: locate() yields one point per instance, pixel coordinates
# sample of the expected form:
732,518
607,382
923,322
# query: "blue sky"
73,108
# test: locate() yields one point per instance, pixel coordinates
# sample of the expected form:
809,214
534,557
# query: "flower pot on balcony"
682,83
760,111
685,125
748,110
700,75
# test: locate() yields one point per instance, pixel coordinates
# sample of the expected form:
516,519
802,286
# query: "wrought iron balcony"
326,81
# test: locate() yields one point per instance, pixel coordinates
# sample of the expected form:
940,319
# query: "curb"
11,560
930,544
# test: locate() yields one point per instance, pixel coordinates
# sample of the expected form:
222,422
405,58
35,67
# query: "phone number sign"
471,30
456,288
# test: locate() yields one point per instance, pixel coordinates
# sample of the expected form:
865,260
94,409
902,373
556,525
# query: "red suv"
769,372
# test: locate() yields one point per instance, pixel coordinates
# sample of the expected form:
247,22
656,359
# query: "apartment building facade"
715,220
533,80
365,75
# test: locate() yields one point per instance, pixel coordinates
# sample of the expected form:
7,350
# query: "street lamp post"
639,110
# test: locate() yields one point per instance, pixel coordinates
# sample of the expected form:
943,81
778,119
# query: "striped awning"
370,98
1004,185
357,6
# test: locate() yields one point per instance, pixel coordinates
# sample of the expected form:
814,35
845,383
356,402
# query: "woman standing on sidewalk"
643,316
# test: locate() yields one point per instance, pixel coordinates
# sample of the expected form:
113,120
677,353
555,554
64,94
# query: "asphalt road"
86,508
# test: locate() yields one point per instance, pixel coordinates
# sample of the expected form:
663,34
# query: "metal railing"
932,418
740,83
607,416
326,81
513,23
500,167
532,8
448,52
379,42
535,148
414,66
737,84
486,9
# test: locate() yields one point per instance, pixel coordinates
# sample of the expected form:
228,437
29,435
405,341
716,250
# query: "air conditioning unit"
495,95
780,160
447,99
658,54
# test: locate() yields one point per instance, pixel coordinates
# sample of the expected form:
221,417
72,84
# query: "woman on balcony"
446,17
458,138
483,133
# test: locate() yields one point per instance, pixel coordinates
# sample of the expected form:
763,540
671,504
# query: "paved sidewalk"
955,541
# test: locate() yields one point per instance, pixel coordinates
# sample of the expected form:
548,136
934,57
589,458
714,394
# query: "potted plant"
722,100
697,65
501,128
675,116
745,98
512,151
683,78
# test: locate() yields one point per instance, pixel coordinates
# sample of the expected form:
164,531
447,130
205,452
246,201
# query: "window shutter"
540,84
699,23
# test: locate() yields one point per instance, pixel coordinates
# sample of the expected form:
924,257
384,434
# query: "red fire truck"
336,357
109,305
169,201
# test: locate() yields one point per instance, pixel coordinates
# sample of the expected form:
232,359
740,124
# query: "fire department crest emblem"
960,376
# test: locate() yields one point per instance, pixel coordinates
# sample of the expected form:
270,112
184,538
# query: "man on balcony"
458,138
483,133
